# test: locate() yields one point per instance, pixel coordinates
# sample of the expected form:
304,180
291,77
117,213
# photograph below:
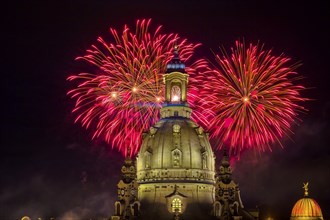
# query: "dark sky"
49,167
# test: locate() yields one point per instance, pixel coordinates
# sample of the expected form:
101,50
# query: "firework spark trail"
253,97
122,98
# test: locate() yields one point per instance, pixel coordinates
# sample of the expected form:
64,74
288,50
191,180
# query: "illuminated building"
306,208
175,175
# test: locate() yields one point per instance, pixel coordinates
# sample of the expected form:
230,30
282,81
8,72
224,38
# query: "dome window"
176,128
176,158
175,94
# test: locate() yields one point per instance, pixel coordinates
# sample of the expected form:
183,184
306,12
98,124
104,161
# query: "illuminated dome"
306,208
176,149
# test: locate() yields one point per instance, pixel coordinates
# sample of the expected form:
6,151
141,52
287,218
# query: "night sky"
49,166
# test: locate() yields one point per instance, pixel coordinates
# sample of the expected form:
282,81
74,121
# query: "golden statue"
306,188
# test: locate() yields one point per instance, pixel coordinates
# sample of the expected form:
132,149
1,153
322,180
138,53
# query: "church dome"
175,148
306,208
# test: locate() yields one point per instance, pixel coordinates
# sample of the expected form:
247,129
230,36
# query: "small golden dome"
306,208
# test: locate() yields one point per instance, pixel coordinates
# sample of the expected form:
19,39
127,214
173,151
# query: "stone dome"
175,163
175,148
306,208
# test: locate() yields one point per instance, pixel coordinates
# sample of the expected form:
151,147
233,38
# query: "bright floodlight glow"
113,94
134,89
175,98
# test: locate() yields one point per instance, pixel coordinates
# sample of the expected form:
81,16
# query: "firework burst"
122,97
253,96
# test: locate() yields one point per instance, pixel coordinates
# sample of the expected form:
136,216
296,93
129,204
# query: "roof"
306,207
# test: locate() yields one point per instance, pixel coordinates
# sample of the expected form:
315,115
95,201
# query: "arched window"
217,209
175,94
235,207
117,208
135,209
176,158
176,205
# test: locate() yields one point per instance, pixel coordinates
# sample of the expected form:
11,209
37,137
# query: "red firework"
253,97
122,98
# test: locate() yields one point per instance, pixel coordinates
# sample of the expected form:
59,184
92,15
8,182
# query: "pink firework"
121,98
253,96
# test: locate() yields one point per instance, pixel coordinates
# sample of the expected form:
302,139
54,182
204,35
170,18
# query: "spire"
175,64
176,51
128,160
128,152
176,83
225,159
127,205
128,169
225,170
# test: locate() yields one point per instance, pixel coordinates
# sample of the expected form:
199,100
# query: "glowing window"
176,205
176,128
175,94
